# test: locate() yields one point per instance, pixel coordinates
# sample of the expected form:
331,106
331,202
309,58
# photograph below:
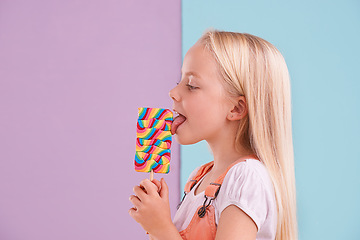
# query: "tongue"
176,123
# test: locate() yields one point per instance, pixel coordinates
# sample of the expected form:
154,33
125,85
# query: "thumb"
164,191
157,183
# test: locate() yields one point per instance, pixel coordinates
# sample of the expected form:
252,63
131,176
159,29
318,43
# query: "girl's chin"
181,139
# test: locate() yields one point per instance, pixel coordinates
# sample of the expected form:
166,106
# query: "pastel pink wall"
72,75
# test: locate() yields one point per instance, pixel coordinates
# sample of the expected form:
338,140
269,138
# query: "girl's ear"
239,109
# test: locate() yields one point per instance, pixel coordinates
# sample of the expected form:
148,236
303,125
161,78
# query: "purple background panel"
72,75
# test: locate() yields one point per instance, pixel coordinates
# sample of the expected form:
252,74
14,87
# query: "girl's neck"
224,152
223,159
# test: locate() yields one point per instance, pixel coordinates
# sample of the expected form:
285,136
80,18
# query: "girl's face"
199,98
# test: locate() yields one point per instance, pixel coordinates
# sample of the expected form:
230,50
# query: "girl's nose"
174,95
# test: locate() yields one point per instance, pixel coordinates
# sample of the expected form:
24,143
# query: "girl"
235,94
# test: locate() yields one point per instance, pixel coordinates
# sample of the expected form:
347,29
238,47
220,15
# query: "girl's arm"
235,224
152,210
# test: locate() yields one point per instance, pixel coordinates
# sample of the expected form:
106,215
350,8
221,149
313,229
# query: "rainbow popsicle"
153,140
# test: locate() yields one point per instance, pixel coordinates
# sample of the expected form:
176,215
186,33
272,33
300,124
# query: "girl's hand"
151,206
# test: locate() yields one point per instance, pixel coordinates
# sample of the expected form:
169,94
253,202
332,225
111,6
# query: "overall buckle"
202,210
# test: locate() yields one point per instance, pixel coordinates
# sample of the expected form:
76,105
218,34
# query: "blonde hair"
254,68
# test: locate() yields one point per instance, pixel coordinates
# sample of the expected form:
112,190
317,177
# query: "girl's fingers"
164,191
133,213
149,186
135,201
139,192
157,183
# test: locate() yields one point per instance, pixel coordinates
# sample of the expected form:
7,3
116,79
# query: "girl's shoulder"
248,186
247,180
249,168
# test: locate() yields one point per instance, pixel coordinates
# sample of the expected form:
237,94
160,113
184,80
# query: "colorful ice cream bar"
164,125
152,149
157,113
152,133
145,162
153,140
166,144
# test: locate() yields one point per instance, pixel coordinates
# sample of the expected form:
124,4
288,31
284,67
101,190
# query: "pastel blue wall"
320,42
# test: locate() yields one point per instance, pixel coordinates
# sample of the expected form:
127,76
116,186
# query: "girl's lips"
178,120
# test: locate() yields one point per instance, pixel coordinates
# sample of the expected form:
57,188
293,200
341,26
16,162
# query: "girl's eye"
191,87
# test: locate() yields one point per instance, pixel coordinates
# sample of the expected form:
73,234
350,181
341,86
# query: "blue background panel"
320,43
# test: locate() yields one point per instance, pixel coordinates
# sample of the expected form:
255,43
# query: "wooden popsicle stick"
151,175
151,178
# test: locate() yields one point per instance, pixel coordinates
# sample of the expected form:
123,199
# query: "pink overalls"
202,225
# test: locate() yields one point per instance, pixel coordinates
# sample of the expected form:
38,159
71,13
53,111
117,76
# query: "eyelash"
189,86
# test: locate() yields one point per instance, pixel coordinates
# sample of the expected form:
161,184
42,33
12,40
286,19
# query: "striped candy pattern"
153,140
154,123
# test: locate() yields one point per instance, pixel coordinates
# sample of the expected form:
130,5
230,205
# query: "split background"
73,73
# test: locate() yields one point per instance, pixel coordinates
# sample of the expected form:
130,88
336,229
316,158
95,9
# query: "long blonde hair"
253,67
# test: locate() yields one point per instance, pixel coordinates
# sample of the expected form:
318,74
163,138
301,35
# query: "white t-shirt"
248,186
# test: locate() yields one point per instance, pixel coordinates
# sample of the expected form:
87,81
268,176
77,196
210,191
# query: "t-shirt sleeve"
244,187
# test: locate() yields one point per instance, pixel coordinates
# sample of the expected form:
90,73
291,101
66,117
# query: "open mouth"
178,120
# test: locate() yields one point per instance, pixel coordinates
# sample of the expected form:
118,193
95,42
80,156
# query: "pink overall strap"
204,169
213,189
